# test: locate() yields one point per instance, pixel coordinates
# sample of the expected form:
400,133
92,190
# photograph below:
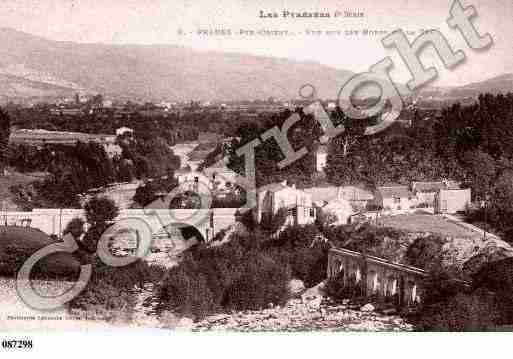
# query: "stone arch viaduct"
376,276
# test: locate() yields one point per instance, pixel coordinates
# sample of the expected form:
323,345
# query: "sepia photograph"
297,167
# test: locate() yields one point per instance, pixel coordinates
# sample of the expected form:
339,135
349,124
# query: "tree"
500,208
5,131
151,190
271,223
75,227
186,200
100,210
481,173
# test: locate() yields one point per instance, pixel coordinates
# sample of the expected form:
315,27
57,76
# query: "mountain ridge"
33,67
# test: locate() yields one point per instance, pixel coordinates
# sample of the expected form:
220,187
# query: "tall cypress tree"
5,130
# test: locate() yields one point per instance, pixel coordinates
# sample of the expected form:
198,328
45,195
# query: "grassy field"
427,223
17,244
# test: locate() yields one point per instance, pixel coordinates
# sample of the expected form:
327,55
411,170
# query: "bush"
325,219
303,251
263,281
247,218
110,289
148,192
100,210
426,252
237,275
187,294
384,242
476,311
337,291
497,277
271,223
75,227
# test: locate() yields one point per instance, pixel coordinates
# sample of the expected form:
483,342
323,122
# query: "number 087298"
17,344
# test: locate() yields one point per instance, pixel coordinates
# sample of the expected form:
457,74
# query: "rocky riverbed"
297,315
309,311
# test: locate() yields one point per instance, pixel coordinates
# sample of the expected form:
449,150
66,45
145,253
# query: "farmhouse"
329,201
357,196
394,197
426,192
273,197
452,200
444,196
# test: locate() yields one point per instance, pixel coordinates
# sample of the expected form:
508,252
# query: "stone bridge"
374,276
208,222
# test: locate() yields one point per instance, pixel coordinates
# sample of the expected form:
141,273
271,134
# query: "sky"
159,22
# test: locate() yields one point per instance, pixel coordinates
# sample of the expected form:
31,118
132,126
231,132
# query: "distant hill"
495,85
32,66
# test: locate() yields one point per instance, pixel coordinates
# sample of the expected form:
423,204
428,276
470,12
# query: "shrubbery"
476,311
186,293
337,291
110,289
384,242
497,277
237,275
303,250
247,272
261,282
452,305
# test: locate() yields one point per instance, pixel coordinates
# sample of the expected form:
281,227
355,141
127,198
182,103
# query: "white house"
444,196
321,158
357,196
395,198
426,191
215,177
452,200
299,205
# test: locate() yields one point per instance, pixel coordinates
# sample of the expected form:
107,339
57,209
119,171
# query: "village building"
395,198
275,196
426,192
328,201
321,158
217,182
444,196
452,200
357,196
220,176
41,137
